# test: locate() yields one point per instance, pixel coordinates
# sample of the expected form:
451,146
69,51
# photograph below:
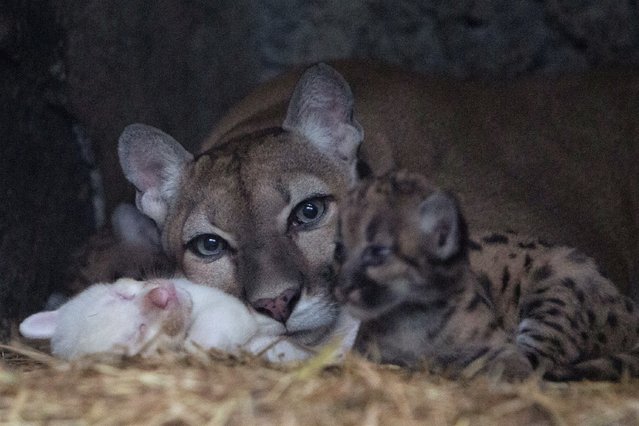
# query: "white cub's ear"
440,224
321,109
39,326
132,227
154,162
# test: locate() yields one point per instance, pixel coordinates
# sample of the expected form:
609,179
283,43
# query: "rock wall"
478,38
44,190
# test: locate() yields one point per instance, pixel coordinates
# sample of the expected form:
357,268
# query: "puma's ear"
132,227
39,326
442,225
321,109
154,162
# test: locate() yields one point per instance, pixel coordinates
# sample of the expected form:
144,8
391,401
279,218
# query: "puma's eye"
210,246
308,212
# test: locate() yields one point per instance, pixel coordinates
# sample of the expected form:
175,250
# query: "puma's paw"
509,365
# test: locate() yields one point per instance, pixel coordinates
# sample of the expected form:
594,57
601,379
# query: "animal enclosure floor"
216,389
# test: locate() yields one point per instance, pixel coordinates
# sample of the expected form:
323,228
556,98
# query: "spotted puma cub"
426,292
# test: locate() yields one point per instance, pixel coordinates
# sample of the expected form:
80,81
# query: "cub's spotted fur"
499,302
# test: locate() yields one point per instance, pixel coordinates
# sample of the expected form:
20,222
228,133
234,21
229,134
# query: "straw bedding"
211,388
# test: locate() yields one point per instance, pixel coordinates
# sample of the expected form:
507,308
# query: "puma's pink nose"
279,308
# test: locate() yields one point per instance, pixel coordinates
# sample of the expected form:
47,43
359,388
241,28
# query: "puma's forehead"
225,211
259,154
245,181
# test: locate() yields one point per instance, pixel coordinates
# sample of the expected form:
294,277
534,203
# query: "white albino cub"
139,317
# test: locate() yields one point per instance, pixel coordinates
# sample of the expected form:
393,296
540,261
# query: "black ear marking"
363,169
443,237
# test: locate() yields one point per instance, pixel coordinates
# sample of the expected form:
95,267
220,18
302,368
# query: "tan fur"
515,301
552,156
516,154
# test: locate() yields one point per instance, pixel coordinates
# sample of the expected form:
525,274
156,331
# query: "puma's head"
256,215
401,241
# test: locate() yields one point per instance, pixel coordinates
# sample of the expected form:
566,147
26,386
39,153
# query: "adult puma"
255,212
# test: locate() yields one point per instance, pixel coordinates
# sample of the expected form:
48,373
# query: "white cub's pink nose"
162,295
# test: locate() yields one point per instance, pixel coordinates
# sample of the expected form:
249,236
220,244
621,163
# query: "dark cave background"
74,73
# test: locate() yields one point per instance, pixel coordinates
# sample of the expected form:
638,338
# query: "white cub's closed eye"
124,296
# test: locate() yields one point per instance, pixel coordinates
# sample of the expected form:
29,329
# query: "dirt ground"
214,389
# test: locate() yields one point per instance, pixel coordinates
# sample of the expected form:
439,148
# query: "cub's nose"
279,308
163,295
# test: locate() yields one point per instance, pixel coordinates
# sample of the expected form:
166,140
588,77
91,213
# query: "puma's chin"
311,336
312,319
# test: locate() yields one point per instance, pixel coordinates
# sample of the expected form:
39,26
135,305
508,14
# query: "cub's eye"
124,296
209,246
375,255
309,212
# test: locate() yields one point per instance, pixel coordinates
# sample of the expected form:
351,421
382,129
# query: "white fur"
106,318
119,318
311,312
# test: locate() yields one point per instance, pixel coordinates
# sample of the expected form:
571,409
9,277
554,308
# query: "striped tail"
609,367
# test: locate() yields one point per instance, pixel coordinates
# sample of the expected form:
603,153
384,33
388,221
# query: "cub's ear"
441,224
133,228
40,325
321,109
154,162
